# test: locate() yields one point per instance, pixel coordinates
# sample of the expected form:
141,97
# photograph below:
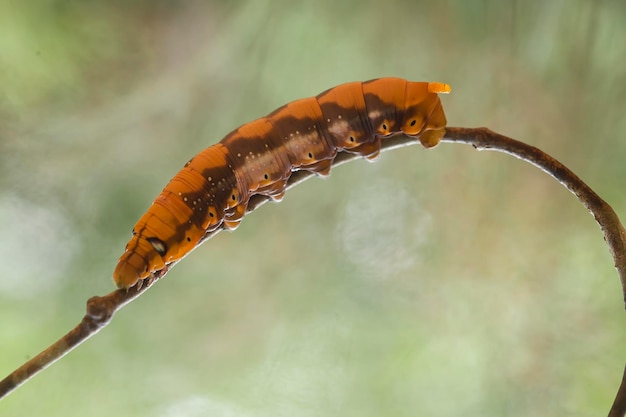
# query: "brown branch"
100,310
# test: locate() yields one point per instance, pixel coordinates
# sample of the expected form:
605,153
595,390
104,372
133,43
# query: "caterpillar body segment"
213,189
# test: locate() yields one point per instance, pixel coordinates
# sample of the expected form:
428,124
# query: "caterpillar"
212,190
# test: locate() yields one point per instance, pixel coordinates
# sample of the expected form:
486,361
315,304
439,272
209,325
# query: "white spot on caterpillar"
339,128
374,114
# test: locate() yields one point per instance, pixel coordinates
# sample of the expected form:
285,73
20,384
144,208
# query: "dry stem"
100,310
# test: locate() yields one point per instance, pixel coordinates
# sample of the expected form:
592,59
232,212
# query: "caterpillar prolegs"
213,189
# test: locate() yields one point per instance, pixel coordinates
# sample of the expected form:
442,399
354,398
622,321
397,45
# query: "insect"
213,189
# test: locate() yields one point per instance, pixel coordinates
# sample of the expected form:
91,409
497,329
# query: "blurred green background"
439,283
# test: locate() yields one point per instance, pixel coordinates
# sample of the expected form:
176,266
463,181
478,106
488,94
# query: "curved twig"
100,310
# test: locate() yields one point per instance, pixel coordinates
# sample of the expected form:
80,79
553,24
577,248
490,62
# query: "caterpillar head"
142,257
423,113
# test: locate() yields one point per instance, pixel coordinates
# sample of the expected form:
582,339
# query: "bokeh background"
440,282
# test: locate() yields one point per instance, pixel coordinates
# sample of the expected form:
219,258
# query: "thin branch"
614,233
100,310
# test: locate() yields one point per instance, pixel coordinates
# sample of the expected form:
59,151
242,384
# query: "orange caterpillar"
213,189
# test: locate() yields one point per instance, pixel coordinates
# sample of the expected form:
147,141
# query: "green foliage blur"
440,283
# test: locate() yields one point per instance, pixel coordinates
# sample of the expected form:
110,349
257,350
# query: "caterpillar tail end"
439,88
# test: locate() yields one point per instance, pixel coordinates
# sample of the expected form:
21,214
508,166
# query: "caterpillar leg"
231,225
431,138
275,191
369,150
147,281
321,168
233,216
435,128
